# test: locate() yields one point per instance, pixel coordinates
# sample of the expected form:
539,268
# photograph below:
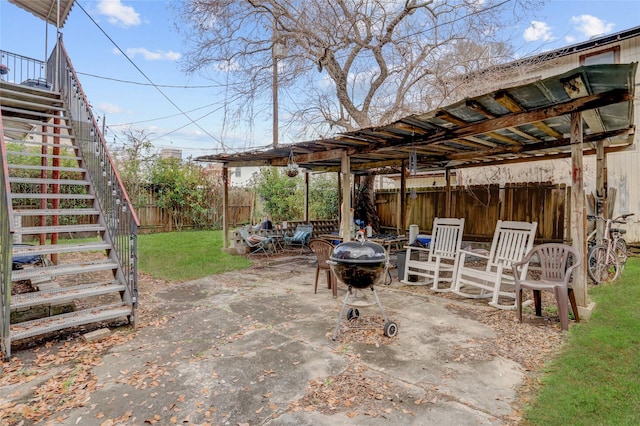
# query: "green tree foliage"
283,196
323,197
183,189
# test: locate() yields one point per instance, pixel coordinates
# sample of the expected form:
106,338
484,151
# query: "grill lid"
359,252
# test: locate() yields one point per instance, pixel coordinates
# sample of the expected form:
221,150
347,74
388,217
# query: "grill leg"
344,304
375,296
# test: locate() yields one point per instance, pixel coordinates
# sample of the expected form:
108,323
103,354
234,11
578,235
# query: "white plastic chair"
441,256
511,241
557,262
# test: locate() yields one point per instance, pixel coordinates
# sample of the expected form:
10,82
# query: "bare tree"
346,63
132,162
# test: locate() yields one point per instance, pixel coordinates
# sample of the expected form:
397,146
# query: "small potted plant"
292,168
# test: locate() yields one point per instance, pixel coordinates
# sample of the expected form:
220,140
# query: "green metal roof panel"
516,122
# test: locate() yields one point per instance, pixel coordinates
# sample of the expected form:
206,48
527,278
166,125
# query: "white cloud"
108,108
570,39
228,66
538,30
153,56
591,26
119,14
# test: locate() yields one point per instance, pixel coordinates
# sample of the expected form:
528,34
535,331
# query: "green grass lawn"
182,256
596,378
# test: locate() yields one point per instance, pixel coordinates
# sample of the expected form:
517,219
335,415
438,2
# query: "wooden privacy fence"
482,206
157,219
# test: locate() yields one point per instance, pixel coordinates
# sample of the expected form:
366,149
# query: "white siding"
623,167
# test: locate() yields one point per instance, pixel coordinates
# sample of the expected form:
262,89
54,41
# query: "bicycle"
606,259
620,244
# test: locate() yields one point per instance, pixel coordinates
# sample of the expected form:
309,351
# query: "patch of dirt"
356,391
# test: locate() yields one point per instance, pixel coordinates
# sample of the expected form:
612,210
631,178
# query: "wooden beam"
574,87
602,189
504,99
503,138
225,206
401,223
535,115
447,181
529,159
450,118
477,107
346,197
578,217
306,196
522,134
529,148
547,130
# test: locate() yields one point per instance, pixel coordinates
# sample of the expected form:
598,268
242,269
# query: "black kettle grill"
360,264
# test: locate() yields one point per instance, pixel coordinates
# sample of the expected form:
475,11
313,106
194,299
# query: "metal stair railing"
6,243
20,69
119,217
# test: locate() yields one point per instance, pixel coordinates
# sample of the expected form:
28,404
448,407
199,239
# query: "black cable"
149,80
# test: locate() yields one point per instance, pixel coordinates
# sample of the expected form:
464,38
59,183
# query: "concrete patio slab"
254,348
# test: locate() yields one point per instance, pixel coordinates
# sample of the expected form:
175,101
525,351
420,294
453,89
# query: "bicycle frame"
606,257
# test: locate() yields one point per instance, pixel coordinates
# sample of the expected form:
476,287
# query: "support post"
346,197
578,218
402,203
225,206
602,190
306,196
447,179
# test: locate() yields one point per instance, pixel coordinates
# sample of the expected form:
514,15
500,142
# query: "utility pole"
277,52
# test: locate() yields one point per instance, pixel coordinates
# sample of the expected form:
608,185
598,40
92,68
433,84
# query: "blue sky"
144,30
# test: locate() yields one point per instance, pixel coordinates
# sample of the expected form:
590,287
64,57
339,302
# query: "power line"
149,80
163,118
137,83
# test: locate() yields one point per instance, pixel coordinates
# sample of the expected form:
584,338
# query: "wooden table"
387,243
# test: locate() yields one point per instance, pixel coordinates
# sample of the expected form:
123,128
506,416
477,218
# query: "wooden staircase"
67,213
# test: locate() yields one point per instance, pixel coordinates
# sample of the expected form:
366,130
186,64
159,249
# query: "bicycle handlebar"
619,219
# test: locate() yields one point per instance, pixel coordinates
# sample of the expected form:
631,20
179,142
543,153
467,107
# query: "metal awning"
47,10
523,123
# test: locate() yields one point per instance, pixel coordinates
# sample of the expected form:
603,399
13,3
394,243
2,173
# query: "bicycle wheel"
602,267
620,249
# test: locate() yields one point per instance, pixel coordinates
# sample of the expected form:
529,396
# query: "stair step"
51,196
48,104
27,250
43,115
50,168
40,123
55,212
63,145
26,91
31,132
56,296
38,327
41,155
66,269
48,181
35,230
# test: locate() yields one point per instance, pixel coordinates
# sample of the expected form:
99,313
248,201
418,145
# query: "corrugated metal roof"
46,10
522,123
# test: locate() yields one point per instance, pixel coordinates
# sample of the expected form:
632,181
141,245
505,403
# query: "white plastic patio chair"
441,256
511,241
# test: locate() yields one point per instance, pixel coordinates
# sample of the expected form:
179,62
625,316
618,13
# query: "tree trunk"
365,206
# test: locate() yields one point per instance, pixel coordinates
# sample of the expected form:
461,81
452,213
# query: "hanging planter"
292,168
